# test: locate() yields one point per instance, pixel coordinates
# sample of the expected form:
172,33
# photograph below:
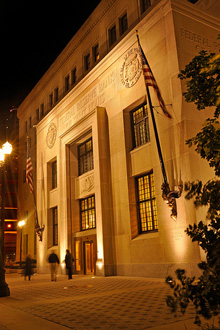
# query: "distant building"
96,168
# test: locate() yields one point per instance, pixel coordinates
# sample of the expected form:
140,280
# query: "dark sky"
32,35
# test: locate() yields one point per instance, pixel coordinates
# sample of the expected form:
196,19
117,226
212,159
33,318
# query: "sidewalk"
89,303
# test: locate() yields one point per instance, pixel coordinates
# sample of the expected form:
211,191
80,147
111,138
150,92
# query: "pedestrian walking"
54,263
69,263
28,271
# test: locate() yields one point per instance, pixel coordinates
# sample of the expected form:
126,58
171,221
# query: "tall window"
55,225
67,83
51,100
87,213
54,174
87,62
73,74
96,53
56,94
148,220
85,152
145,4
123,24
112,35
42,110
140,121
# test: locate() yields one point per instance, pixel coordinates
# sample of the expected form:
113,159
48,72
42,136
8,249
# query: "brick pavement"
94,303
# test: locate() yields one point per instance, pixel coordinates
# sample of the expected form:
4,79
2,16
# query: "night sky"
32,35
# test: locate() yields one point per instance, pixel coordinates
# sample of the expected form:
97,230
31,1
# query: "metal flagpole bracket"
170,198
39,231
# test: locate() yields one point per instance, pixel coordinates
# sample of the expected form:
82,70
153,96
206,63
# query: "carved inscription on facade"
97,96
201,43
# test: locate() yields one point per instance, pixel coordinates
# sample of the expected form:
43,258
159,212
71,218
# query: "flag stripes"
150,81
29,172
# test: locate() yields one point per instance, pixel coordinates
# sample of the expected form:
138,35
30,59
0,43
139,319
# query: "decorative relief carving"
51,135
85,185
131,68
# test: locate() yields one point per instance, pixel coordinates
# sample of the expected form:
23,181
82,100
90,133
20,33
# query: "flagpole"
155,128
157,138
29,179
168,196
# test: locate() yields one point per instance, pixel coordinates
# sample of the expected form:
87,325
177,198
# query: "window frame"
146,6
137,136
112,40
54,211
87,211
83,158
151,219
54,174
123,27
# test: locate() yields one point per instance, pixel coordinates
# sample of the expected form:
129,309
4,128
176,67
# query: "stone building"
96,167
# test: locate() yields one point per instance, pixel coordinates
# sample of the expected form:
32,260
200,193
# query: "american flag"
29,171
150,81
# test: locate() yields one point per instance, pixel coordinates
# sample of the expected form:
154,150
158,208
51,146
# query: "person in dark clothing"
54,262
69,263
28,268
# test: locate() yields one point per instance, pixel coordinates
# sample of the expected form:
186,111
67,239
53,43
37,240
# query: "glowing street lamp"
4,289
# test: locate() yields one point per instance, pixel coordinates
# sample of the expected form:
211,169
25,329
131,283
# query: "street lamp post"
4,289
21,224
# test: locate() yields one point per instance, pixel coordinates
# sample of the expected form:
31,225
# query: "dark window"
148,220
67,83
96,53
26,125
73,73
51,100
56,94
30,122
55,225
112,35
42,110
87,62
54,174
145,4
123,24
140,122
37,114
85,152
87,213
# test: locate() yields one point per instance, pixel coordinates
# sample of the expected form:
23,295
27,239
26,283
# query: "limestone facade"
90,163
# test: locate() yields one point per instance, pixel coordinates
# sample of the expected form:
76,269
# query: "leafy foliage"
203,88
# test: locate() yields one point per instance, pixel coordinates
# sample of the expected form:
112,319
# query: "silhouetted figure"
28,267
54,262
69,263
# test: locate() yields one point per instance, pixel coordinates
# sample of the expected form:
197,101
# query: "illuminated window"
112,35
85,152
96,53
140,121
87,213
55,225
123,24
145,4
148,220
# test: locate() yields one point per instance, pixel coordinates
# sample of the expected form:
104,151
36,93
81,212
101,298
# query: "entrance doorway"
89,257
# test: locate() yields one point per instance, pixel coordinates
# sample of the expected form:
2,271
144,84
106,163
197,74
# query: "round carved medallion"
51,135
131,68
